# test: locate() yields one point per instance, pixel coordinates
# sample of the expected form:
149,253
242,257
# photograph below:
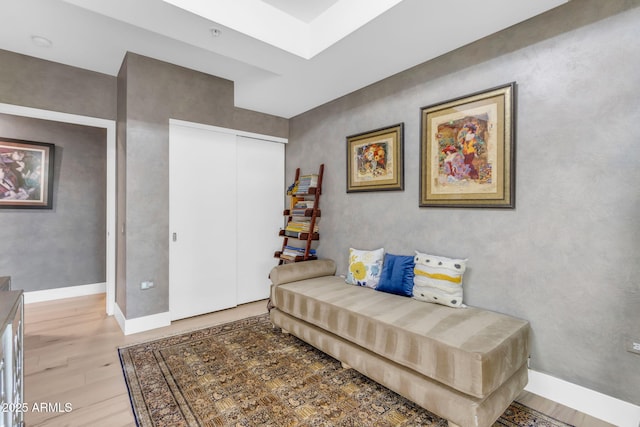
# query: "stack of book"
306,182
291,252
294,228
300,207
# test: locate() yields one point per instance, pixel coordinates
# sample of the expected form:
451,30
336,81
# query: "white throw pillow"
365,267
438,279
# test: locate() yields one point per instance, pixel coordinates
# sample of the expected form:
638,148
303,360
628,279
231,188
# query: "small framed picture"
26,174
375,160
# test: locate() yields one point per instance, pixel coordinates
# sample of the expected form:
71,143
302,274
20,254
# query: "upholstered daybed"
463,364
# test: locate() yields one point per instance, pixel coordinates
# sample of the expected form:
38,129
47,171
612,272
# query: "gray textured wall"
566,258
155,92
37,83
64,246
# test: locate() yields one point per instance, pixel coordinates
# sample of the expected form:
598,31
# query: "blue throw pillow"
397,275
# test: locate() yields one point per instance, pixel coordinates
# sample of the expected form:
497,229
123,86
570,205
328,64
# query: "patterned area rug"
245,373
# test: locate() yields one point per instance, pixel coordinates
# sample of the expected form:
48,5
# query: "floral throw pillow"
365,267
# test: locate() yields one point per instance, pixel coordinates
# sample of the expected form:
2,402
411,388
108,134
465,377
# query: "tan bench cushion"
471,350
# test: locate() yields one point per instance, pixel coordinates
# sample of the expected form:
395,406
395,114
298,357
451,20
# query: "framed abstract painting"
26,174
467,151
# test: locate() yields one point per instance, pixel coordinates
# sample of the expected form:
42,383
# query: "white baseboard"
141,324
598,405
67,292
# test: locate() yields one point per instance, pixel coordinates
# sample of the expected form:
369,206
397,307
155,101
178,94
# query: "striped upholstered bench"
463,364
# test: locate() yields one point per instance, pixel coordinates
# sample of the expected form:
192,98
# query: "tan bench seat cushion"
471,350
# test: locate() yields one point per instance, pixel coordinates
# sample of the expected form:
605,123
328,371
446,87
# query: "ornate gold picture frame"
375,160
467,151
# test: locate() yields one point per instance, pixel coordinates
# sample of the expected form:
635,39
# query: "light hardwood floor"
71,358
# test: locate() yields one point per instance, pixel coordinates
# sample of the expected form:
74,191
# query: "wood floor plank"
112,412
71,356
560,412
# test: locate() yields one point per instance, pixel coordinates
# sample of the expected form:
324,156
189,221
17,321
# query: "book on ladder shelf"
302,217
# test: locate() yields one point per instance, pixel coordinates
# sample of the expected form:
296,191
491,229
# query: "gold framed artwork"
375,160
467,151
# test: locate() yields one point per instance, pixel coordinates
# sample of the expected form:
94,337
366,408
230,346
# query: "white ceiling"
306,11
285,56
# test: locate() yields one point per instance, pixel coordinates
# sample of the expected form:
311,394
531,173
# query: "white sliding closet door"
261,198
203,219
226,200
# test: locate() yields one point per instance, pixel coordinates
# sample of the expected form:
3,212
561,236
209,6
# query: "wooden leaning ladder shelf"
309,214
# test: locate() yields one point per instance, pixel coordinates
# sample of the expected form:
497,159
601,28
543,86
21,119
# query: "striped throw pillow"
438,279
